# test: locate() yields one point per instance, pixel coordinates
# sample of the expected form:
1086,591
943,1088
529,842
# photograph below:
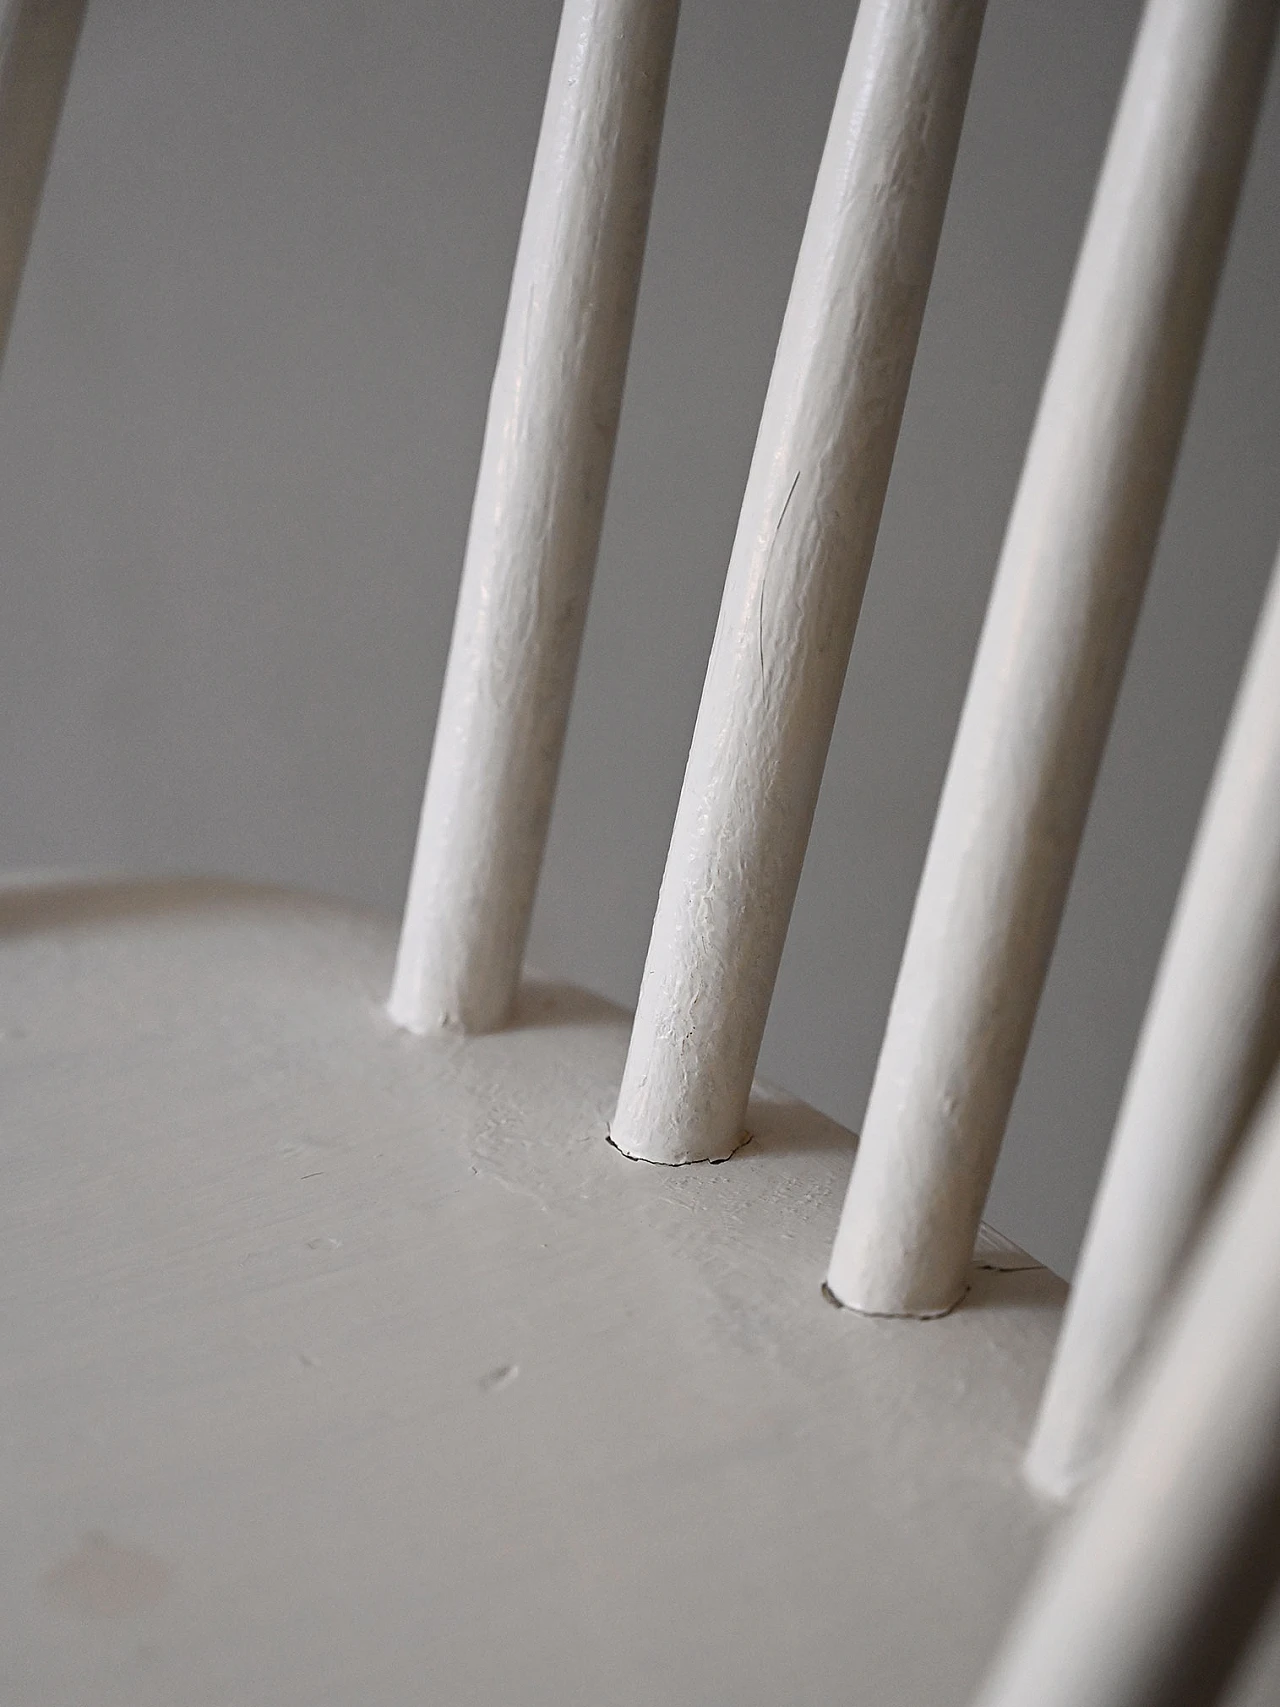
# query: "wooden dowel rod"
1208,1045
1057,633
1153,1591
795,579
535,522
37,44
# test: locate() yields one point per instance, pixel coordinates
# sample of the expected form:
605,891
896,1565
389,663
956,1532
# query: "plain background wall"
239,423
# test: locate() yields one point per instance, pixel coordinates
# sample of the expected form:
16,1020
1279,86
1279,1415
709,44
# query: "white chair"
344,1360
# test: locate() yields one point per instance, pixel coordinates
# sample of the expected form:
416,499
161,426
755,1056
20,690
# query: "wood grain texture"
341,1365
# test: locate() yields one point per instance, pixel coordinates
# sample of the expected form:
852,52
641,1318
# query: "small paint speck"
503,1376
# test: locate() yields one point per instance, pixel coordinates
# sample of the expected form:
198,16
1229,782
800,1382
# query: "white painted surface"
1051,656
356,1367
37,44
1207,1048
1154,1591
796,575
535,523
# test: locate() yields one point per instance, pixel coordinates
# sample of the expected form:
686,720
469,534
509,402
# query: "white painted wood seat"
351,1366
344,1359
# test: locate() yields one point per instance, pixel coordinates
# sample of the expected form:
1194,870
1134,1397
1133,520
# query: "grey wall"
238,429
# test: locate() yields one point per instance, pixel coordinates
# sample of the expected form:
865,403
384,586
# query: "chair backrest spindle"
1153,1593
1166,1384
37,45
796,575
536,518
1067,592
1207,1047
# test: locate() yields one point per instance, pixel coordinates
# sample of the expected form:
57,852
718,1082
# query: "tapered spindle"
796,576
37,44
1057,632
1153,1592
1208,1044
535,522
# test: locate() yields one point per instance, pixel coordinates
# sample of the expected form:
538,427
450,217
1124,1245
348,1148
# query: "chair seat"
345,1366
